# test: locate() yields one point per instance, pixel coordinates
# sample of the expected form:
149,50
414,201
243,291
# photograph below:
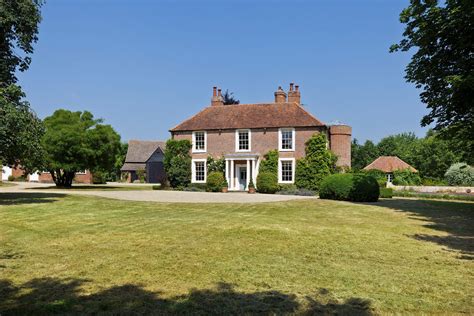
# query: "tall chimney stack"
280,96
216,99
294,96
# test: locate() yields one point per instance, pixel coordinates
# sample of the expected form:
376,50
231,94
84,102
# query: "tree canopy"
19,21
229,98
443,64
20,130
75,141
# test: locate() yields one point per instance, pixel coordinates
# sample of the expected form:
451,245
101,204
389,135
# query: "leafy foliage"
318,163
357,187
362,155
75,141
460,174
215,164
270,162
20,131
141,175
406,177
386,193
442,64
267,182
19,21
229,98
177,162
215,181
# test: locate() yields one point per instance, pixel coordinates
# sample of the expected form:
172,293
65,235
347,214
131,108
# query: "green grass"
83,255
6,184
99,187
441,196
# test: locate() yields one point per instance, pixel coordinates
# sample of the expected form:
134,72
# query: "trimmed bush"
356,187
11,178
291,189
215,181
156,187
386,193
267,182
177,162
460,174
98,177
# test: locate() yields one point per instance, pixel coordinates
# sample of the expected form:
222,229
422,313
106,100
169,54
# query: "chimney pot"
214,93
216,99
280,95
291,86
297,87
294,94
219,92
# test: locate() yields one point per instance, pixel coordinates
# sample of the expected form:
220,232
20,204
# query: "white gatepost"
248,174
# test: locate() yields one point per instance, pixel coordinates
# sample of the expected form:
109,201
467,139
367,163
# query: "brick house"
146,156
43,177
243,133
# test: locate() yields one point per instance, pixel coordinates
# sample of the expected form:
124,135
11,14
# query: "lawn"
6,184
84,255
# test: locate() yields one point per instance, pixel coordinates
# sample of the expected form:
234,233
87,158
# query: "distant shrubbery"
98,177
406,177
215,181
267,182
460,174
291,189
177,162
318,163
386,193
357,187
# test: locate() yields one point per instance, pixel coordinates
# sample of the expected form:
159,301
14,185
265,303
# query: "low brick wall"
433,189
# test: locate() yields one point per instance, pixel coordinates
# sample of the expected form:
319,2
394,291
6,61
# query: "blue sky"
144,66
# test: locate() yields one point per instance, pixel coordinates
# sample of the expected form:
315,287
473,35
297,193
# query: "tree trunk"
63,178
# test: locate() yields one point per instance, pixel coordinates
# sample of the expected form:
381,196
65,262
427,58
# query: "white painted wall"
6,172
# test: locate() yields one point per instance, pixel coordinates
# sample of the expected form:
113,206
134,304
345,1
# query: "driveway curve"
157,196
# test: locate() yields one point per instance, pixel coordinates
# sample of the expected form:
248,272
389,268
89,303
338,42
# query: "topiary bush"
356,187
11,178
460,174
267,182
215,181
177,162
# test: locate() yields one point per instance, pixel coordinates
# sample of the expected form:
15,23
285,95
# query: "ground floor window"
286,170
199,170
389,177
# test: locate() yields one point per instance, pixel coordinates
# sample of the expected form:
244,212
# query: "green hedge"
215,181
356,187
267,182
386,193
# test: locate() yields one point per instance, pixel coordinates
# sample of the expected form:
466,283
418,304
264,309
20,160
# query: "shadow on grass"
28,198
452,217
50,296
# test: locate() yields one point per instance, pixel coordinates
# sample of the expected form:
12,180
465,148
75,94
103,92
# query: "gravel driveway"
159,196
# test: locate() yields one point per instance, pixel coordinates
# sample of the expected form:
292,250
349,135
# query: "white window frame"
237,140
280,178
280,138
193,170
194,142
82,172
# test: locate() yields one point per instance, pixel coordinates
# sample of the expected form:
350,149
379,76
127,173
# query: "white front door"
242,177
6,172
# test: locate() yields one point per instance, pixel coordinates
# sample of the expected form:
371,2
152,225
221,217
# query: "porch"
239,169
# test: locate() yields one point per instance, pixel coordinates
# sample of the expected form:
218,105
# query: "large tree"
19,21
229,98
362,155
75,141
442,37
20,131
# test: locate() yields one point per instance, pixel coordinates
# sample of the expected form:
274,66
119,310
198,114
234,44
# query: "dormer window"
199,142
286,139
242,140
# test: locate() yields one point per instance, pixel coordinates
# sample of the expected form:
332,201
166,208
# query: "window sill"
243,151
198,151
286,182
286,149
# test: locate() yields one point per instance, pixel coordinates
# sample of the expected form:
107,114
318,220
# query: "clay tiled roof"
389,164
249,116
141,150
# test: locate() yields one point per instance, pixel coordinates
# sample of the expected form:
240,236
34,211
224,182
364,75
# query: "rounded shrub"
356,187
215,181
460,174
11,178
267,182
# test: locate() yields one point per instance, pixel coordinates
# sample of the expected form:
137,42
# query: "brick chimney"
217,99
280,96
294,95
